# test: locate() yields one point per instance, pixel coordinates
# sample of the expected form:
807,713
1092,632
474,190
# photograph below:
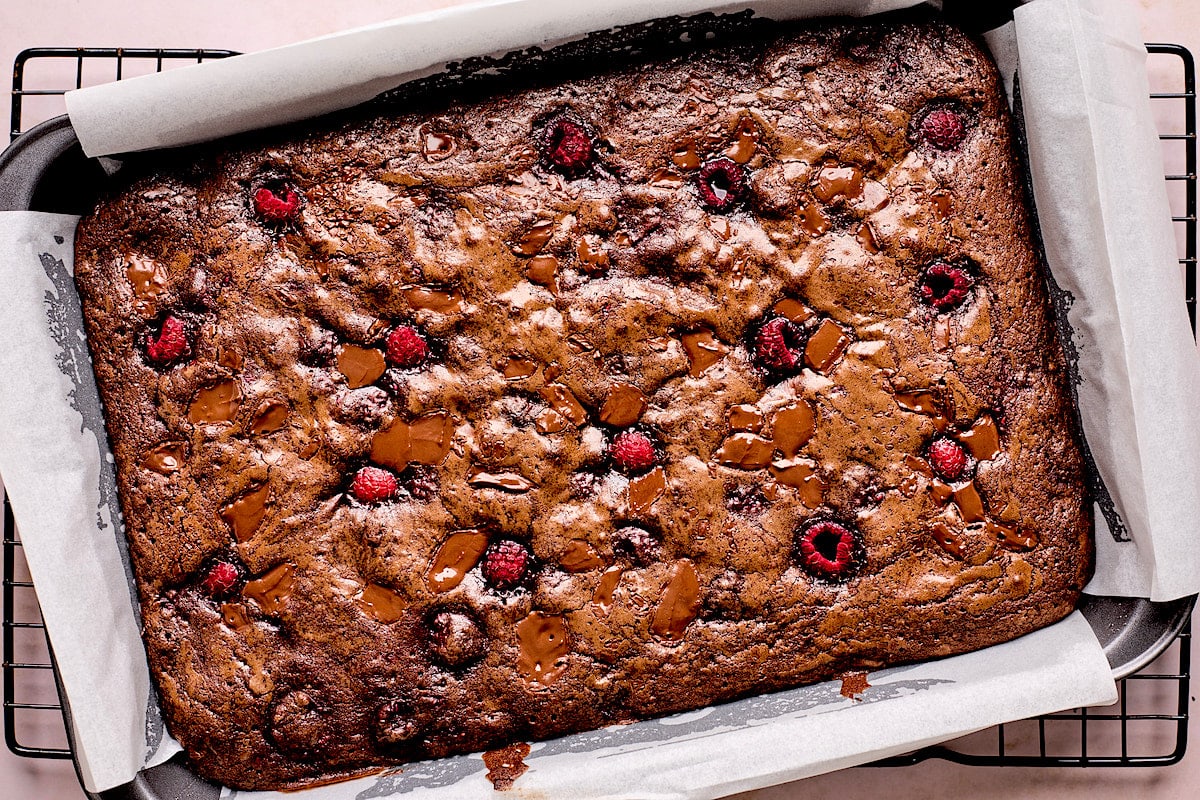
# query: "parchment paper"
779,737
61,482
333,72
1097,177
55,461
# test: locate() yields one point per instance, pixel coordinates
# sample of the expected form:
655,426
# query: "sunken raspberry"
372,484
406,347
726,596
420,482
505,563
943,128
948,459
171,344
583,485
299,725
632,451
944,286
396,723
638,544
277,206
779,346
565,144
722,183
220,579
828,550
456,638
745,500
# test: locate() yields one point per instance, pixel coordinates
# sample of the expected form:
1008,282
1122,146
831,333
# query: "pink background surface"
244,26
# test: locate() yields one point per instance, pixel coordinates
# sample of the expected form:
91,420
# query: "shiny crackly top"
582,404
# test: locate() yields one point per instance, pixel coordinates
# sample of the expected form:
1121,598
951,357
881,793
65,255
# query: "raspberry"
828,550
372,484
745,500
943,129
722,183
420,482
277,207
778,346
395,723
505,563
220,579
944,286
566,144
638,544
406,347
632,451
948,459
171,344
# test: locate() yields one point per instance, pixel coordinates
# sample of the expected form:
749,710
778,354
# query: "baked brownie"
584,404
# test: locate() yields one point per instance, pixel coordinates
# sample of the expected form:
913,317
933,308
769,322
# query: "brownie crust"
849,456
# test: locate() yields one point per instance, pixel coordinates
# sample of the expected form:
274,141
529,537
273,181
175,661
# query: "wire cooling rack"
1148,727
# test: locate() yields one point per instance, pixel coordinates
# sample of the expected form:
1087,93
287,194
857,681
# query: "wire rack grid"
1147,727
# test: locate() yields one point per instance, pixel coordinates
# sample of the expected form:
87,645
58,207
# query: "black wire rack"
1147,728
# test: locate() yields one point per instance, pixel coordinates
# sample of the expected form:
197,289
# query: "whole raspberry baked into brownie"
584,404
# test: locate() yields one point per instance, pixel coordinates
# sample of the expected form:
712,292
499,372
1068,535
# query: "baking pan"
45,170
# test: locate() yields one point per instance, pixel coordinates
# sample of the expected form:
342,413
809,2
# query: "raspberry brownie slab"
521,416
